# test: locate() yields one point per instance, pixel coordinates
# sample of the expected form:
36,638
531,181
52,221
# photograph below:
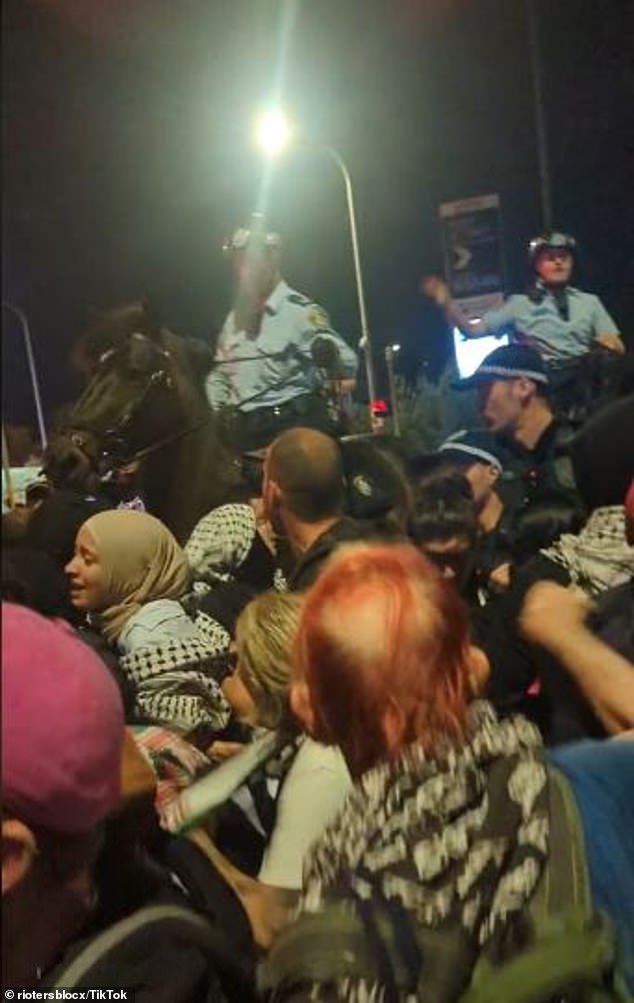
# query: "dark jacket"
166,961
613,619
307,569
540,492
561,710
56,522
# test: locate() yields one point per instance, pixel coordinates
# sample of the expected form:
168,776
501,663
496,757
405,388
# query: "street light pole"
28,346
274,134
365,342
6,466
540,116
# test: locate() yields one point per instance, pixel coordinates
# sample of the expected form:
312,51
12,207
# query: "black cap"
509,362
374,479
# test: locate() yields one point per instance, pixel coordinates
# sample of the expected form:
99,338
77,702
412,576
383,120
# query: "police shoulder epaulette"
299,300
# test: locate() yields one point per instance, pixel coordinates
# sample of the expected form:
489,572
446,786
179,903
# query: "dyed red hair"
382,630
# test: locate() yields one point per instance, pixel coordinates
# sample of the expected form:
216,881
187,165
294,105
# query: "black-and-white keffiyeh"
173,684
457,844
220,543
599,557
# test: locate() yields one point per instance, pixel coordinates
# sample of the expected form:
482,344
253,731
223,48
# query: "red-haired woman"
436,859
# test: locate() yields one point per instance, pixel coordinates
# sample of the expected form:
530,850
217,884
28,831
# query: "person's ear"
494,473
526,388
479,670
393,727
272,498
301,705
19,849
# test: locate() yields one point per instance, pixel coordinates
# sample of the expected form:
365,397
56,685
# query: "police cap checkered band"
475,445
511,373
509,362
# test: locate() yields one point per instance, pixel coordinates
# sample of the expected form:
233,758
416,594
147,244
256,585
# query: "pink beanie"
629,501
62,726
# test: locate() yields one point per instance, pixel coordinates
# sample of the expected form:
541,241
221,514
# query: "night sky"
128,156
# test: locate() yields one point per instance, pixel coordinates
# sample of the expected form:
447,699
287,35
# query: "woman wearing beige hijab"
129,574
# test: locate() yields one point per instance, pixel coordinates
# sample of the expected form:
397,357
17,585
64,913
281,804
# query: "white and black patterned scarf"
173,685
220,543
599,557
457,844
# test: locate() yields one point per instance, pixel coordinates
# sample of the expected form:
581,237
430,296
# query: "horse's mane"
108,328
195,356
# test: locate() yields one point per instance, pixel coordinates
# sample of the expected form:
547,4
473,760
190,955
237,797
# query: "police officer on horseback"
562,322
275,350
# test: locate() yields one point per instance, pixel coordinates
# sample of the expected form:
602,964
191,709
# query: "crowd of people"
367,736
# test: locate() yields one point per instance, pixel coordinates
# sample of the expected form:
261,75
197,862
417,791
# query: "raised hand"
551,612
437,290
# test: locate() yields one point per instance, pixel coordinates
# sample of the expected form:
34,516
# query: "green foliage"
427,414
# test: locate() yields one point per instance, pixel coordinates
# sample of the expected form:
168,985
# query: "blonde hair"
265,633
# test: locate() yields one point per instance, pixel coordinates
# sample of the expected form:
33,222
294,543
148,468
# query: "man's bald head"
307,468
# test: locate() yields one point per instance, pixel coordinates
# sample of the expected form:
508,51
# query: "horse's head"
108,329
140,391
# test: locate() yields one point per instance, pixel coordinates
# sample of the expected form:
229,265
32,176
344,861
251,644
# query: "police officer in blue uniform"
275,351
571,329
561,322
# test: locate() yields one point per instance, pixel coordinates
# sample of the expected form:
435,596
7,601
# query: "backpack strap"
548,969
331,945
565,883
336,942
182,923
571,944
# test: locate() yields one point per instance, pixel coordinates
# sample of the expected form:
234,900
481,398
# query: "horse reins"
183,433
168,440
161,377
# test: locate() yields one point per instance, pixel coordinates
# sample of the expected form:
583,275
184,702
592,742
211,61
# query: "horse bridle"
109,458
112,439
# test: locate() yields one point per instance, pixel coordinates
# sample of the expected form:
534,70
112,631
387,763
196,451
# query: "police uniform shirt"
556,339
290,324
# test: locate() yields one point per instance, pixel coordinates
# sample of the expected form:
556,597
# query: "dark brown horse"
144,409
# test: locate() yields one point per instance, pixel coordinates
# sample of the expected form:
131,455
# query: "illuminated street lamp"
274,134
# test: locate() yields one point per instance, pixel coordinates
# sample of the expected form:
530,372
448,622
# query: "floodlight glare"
273,132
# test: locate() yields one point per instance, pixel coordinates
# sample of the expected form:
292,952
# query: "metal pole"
365,342
540,116
389,359
26,334
6,466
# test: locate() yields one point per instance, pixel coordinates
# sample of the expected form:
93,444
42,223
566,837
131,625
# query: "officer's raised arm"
274,347
438,291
